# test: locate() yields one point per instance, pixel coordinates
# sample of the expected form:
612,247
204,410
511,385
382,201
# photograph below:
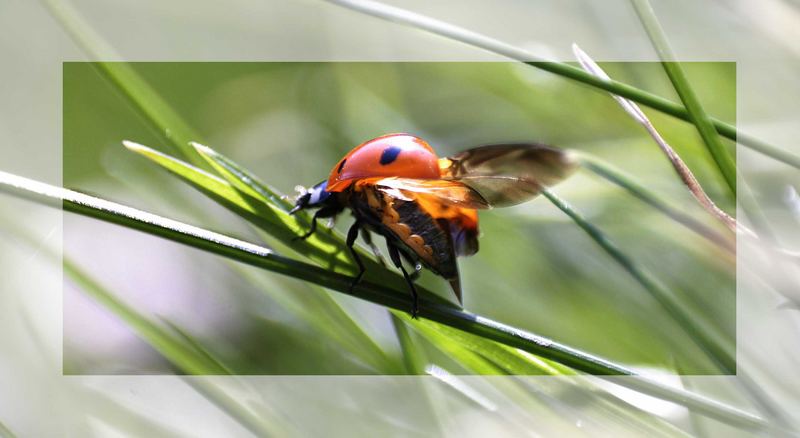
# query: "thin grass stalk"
683,171
255,255
705,337
615,176
261,257
684,318
697,115
492,45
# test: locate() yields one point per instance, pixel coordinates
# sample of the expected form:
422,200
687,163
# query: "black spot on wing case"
390,154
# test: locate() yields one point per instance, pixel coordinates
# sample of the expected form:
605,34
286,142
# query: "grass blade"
322,247
241,178
501,359
616,176
705,337
696,113
261,257
413,357
156,112
484,42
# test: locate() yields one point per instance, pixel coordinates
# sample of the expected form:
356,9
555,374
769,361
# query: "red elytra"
391,155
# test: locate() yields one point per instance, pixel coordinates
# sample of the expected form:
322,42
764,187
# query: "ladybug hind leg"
394,253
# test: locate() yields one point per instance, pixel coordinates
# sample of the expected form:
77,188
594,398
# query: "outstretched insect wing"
508,174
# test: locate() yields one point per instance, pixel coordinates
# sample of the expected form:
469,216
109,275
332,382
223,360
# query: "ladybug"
425,206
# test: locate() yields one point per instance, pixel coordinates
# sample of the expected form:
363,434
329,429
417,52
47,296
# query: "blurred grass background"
289,122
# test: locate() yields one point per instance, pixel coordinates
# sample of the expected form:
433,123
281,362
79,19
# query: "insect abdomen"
427,237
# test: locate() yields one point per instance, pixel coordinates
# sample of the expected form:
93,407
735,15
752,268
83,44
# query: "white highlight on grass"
61,194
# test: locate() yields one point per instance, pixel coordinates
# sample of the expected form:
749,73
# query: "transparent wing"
508,174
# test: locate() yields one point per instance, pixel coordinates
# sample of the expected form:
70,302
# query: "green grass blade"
323,248
5,432
414,358
502,359
618,177
156,112
261,257
189,340
696,113
473,362
242,179
484,42
702,334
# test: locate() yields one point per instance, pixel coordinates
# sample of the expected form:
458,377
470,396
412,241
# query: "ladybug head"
312,197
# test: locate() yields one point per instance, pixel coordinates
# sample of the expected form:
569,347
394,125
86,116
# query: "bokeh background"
69,367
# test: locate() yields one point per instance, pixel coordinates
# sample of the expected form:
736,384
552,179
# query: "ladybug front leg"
352,234
394,253
322,212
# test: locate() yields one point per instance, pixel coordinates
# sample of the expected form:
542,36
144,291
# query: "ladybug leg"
367,237
394,253
322,212
352,234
